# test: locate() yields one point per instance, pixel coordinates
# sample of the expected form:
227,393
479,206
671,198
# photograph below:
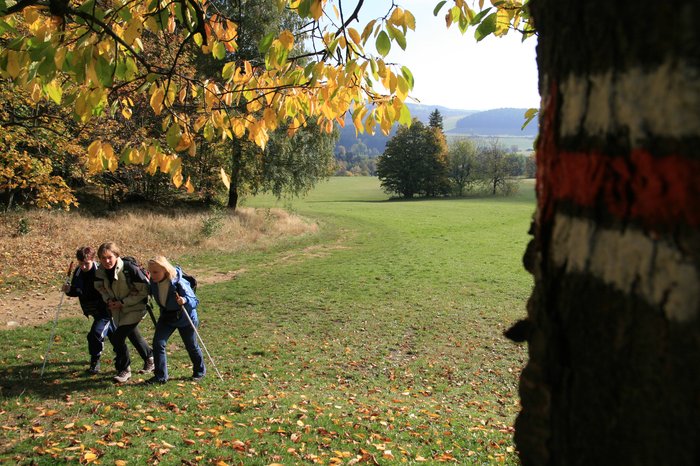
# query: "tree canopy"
92,58
415,162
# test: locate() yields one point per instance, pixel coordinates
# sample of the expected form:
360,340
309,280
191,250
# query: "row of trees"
418,161
358,160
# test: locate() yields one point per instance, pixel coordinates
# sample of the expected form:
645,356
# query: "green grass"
378,337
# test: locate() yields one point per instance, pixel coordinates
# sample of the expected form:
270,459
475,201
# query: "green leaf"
173,136
397,35
5,27
405,117
218,51
487,26
265,43
104,72
438,7
228,69
54,91
305,8
477,19
463,23
408,76
383,44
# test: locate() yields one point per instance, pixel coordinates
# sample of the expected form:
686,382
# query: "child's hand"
114,305
180,300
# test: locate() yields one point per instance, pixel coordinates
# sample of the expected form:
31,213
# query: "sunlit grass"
375,340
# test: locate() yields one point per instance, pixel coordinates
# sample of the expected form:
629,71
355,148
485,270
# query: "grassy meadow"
375,338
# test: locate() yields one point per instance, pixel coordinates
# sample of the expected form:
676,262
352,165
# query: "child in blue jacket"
175,297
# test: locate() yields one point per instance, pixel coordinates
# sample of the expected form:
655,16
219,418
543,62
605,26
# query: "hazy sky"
453,70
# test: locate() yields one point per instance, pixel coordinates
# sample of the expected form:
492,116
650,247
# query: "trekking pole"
182,308
55,320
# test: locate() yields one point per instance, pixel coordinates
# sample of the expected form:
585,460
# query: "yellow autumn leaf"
107,151
89,457
225,179
94,149
13,67
190,190
316,9
184,143
238,127
157,99
120,463
177,181
354,35
287,39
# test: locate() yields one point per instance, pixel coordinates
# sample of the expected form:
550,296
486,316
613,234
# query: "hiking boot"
94,367
155,381
123,376
148,366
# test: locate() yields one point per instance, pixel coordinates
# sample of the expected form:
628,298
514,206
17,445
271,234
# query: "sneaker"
148,366
154,381
197,378
94,367
123,376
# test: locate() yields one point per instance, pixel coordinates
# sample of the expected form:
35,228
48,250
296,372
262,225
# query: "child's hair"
108,246
161,261
85,253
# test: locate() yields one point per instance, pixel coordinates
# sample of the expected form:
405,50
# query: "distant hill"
456,122
497,122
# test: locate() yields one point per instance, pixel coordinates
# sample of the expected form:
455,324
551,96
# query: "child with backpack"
82,286
124,287
174,295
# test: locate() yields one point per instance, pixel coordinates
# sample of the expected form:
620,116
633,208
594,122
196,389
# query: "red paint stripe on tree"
655,190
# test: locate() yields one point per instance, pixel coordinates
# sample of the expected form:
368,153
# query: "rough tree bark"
613,375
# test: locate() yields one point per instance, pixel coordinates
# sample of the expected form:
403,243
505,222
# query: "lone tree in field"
494,167
462,165
414,162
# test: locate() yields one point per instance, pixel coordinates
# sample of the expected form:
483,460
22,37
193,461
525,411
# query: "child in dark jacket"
82,286
177,302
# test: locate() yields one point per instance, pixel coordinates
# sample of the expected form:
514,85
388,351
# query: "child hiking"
82,286
125,291
174,295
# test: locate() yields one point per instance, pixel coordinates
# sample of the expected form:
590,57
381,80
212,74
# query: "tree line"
419,162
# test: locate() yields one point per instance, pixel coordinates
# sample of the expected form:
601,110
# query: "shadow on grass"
59,380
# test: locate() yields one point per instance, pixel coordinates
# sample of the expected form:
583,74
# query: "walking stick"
182,308
55,320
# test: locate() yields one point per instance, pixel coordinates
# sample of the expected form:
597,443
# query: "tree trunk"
613,375
235,175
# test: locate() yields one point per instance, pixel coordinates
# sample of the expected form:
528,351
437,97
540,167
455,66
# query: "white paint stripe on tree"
664,102
631,262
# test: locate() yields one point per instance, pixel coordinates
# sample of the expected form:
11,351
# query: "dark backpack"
134,272
191,280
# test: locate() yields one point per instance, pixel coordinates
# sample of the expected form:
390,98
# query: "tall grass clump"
49,246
